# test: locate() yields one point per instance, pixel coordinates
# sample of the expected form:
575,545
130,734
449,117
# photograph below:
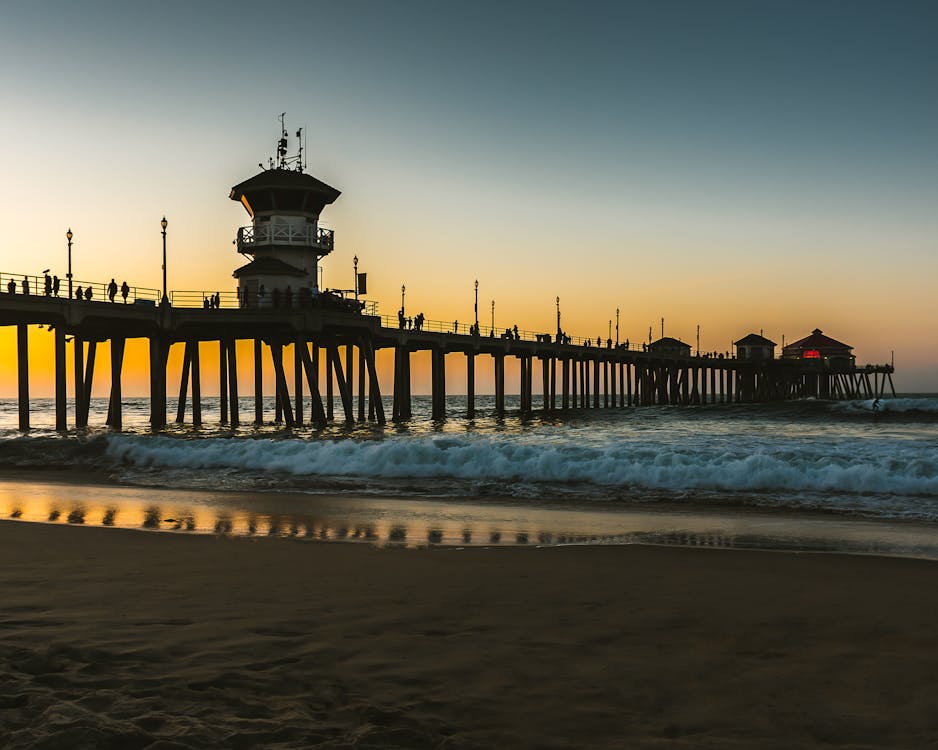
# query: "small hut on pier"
669,347
755,348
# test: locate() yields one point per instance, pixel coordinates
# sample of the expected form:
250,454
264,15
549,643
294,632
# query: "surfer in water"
875,405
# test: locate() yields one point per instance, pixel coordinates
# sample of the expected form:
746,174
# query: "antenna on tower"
299,156
282,143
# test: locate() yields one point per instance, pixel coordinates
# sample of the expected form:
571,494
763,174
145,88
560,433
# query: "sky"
741,166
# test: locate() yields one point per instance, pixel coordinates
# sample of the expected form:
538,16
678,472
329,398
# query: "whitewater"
848,458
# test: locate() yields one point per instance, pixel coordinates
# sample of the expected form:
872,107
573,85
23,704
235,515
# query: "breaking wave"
872,466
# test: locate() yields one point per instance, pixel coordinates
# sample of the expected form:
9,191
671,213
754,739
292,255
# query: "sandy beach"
116,638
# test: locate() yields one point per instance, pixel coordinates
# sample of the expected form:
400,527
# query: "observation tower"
284,240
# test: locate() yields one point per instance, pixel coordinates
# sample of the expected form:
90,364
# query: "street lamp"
493,315
163,224
558,316
610,329
617,327
403,289
477,303
68,236
355,262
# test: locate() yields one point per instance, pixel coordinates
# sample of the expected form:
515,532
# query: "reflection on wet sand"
441,523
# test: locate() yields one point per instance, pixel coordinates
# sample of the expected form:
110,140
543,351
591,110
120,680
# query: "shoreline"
92,499
200,641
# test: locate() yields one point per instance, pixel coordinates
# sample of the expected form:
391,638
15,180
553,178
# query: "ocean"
805,475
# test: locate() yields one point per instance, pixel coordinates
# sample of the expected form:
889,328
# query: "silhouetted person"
400,318
88,293
205,303
47,284
455,326
11,287
56,283
79,294
125,290
217,300
25,285
112,290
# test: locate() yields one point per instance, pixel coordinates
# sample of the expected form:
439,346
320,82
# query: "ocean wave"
775,465
889,406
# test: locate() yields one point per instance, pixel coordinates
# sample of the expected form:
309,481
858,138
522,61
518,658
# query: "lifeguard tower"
284,240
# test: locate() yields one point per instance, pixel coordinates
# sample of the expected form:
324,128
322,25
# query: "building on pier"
284,240
755,348
669,347
834,354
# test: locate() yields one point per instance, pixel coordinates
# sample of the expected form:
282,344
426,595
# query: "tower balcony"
252,237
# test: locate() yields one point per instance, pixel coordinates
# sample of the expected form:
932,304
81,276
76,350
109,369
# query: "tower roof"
285,190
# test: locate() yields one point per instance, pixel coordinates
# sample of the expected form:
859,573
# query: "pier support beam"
222,382
115,410
61,396
196,386
158,352
437,384
500,384
258,382
22,373
470,385
298,381
283,393
232,350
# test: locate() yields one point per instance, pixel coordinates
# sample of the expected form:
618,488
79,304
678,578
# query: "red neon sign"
811,354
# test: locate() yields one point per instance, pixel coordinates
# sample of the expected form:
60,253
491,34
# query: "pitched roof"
667,341
754,339
285,179
266,264
817,340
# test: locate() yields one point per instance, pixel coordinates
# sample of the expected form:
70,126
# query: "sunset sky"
743,166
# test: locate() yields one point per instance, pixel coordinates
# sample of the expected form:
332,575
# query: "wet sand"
116,638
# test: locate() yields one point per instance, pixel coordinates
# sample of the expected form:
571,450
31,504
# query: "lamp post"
493,315
163,224
355,263
476,308
617,327
68,236
610,329
403,289
558,315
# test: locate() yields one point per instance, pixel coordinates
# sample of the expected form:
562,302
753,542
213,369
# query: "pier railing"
232,301
488,332
284,234
36,287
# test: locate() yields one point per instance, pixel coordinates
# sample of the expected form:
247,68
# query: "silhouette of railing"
465,329
232,301
36,287
284,234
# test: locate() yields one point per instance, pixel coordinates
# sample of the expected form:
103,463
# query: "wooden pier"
571,375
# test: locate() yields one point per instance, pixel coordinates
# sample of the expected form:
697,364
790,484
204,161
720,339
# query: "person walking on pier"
125,290
46,283
11,287
79,294
112,290
56,284
88,293
25,286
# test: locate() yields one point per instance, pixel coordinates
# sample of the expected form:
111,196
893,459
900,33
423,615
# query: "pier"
333,337
343,345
